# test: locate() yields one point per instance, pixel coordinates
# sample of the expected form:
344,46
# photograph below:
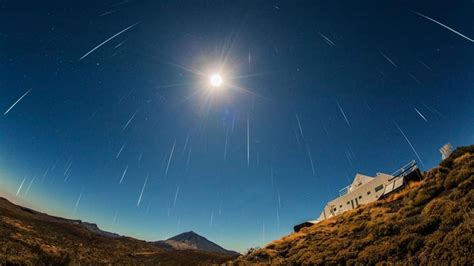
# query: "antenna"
446,150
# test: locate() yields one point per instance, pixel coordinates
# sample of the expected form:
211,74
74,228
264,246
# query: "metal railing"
404,170
344,191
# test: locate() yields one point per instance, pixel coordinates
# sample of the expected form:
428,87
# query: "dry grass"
429,222
32,238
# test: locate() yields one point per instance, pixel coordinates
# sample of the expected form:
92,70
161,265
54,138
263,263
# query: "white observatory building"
366,189
446,150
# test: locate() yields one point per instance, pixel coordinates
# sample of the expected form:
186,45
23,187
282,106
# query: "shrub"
250,251
385,229
451,221
410,243
426,193
427,226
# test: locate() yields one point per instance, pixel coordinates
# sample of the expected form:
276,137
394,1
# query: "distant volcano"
31,237
192,241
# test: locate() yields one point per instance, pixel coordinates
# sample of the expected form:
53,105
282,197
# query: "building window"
368,192
360,197
379,188
340,206
334,209
348,203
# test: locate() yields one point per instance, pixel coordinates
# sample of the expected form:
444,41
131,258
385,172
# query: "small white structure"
365,189
446,150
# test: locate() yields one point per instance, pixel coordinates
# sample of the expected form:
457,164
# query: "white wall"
360,193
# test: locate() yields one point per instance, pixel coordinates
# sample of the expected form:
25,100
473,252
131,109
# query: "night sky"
133,137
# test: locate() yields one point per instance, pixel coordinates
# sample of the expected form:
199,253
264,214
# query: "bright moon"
216,80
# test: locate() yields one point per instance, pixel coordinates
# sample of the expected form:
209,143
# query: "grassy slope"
35,238
431,222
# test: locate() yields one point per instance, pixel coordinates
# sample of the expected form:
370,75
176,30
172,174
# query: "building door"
357,202
352,203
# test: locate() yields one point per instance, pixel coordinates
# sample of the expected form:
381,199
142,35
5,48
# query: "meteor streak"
189,156
176,196
143,189
278,218
310,160
21,185
169,159
422,116
409,143
344,114
108,13
120,151
212,219
225,145
106,41
271,176
434,110
279,199
77,202
118,45
425,65
442,25
233,121
248,140
129,120
45,174
331,43
388,59
68,167
414,78
115,218
17,101
29,185
123,174
299,125
186,143
296,136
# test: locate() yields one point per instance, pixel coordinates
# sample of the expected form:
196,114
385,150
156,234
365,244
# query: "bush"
451,221
427,226
250,251
385,229
426,193
410,243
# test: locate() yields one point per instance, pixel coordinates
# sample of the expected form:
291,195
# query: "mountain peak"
191,235
192,241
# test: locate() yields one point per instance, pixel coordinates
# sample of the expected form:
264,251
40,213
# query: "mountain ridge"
183,241
31,237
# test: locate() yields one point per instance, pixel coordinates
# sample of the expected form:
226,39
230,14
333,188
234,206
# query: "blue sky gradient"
64,136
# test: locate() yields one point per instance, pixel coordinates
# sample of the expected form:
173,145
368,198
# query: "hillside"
30,237
192,241
430,222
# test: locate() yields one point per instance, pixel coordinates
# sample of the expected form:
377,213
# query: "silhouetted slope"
193,241
30,237
430,222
